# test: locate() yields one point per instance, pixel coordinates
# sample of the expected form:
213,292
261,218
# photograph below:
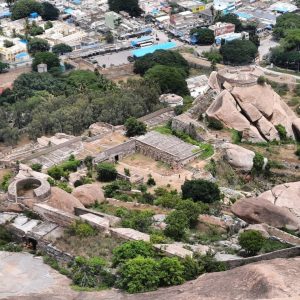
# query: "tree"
238,52
233,19
62,48
135,127
56,172
91,272
138,220
36,30
22,9
177,224
160,57
168,199
37,45
130,6
139,275
109,37
8,43
201,190
3,67
252,241
48,58
131,249
36,167
190,209
204,36
170,79
171,271
106,172
49,12
285,22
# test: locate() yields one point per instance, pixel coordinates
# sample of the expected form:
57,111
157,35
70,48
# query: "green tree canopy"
106,172
238,52
3,67
252,241
130,6
201,190
169,79
135,127
62,48
23,8
131,249
177,224
139,275
49,12
286,22
37,45
171,271
160,57
48,58
204,36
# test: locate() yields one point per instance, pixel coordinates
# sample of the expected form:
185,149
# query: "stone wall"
54,215
156,153
284,253
116,153
42,192
155,114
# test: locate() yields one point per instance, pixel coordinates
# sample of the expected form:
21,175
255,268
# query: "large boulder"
252,135
238,157
213,82
261,96
224,109
62,200
267,129
87,194
260,210
285,195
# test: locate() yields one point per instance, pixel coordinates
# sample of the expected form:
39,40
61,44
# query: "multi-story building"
222,28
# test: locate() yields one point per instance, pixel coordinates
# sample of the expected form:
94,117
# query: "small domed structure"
171,99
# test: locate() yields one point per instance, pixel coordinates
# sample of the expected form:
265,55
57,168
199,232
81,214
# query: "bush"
258,164
252,241
177,224
282,132
215,124
5,182
190,209
151,181
168,199
113,189
82,229
134,127
146,198
131,249
297,152
139,275
91,272
138,220
261,80
201,190
5,235
36,167
56,172
171,271
78,182
126,172
192,268
106,172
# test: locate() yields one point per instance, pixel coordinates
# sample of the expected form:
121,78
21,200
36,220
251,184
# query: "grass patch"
273,245
164,130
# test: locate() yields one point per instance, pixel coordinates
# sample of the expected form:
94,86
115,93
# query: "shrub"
201,190
139,275
151,181
190,209
171,271
297,152
252,241
236,136
5,182
64,186
210,264
192,268
131,249
138,220
36,167
126,172
91,272
106,172
56,172
5,235
113,189
169,199
261,80
134,127
78,182
82,229
282,132
215,124
258,164
146,198
177,224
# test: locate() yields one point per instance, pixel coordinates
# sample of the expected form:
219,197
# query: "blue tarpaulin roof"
22,54
68,10
146,50
33,15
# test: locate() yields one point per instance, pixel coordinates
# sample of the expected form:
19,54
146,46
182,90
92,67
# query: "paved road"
265,45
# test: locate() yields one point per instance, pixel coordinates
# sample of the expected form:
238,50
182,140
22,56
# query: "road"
265,45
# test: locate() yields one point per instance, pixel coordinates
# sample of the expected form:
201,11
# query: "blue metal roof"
146,50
